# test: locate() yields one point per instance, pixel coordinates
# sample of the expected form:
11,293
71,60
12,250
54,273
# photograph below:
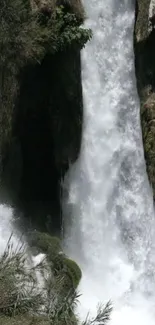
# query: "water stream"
111,223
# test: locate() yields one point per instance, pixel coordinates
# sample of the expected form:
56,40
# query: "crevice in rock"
47,128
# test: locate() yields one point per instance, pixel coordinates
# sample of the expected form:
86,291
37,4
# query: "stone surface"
145,71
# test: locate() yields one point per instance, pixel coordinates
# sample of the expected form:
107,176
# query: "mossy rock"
72,271
60,264
68,268
51,246
47,244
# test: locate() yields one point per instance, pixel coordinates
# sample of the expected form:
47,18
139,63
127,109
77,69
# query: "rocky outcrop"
148,126
47,128
41,105
141,30
145,70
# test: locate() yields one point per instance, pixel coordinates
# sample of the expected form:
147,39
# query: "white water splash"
7,229
112,226
8,232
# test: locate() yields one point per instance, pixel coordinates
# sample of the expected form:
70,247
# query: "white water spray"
7,229
112,226
8,232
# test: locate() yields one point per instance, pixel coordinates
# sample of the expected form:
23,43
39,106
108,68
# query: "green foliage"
26,36
75,7
23,301
18,292
71,33
21,294
102,317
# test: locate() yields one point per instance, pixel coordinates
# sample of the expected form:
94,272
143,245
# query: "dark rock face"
47,128
142,13
145,71
40,104
146,82
144,49
136,10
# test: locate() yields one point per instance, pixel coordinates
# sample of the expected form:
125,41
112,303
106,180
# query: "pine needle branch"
102,317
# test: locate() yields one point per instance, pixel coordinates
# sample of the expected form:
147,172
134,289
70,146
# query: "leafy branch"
102,317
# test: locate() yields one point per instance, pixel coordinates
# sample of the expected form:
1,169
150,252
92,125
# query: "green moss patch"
73,271
47,244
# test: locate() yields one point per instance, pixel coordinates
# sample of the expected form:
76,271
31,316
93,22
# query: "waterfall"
110,228
7,229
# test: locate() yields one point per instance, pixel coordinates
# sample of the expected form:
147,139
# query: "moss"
73,271
52,247
70,271
45,243
59,263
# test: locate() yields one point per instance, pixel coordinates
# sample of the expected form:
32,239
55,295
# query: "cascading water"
7,229
9,232
111,233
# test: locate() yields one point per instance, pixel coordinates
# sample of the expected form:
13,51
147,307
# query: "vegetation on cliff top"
26,36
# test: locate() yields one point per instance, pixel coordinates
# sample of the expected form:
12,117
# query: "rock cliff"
40,102
145,70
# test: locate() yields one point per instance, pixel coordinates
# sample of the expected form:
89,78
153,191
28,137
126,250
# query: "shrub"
22,291
102,316
75,7
24,302
26,36
18,293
